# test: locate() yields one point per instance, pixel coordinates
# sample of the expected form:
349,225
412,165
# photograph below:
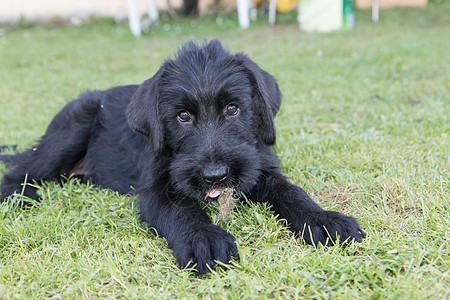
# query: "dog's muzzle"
215,176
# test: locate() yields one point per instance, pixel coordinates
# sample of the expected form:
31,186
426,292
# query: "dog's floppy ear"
266,97
143,112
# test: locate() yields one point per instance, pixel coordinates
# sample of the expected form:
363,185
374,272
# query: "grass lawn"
364,128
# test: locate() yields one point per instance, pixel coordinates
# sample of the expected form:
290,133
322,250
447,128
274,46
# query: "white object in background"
243,8
375,11
272,11
152,11
134,19
320,15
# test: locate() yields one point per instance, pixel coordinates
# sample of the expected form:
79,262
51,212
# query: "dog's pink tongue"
213,193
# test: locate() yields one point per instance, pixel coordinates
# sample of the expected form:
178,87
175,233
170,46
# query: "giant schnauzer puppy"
203,122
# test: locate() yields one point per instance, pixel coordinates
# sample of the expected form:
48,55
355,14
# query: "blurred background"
314,15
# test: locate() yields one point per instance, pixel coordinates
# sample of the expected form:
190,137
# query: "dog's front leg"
305,217
188,231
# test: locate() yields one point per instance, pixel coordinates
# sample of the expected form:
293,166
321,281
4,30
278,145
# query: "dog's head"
212,113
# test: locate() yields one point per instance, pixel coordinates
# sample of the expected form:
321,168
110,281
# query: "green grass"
364,128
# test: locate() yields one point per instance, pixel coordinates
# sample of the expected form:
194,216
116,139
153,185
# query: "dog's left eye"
184,116
231,110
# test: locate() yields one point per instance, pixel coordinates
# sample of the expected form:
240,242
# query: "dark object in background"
190,7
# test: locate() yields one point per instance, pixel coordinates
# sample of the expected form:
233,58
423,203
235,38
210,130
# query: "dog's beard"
244,171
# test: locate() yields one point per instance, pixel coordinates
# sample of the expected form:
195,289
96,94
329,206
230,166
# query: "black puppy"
203,122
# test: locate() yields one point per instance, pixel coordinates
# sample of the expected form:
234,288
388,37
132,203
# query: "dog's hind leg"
64,144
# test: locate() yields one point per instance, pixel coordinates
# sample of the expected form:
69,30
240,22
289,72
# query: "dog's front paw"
328,227
204,247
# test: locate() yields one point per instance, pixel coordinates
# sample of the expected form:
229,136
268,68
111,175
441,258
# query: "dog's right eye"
231,110
184,116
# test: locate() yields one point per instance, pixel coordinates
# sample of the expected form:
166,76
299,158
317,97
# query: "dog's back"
83,125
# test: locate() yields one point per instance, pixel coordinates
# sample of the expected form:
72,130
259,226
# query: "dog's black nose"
215,174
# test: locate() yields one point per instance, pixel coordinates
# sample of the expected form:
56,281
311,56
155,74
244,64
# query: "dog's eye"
184,116
232,109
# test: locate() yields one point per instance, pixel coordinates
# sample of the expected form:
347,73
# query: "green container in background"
348,14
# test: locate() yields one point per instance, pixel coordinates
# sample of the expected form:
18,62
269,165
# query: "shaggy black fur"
205,120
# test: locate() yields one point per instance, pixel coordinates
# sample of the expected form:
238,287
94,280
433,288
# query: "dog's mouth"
214,193
220,192
226,200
